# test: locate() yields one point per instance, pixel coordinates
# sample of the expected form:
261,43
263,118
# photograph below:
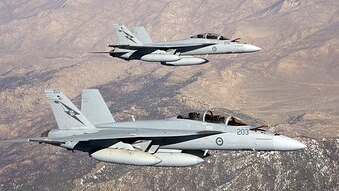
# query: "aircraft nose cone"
282,143
251,48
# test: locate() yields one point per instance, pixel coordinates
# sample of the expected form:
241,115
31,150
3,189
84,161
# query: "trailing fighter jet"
180,141
139,46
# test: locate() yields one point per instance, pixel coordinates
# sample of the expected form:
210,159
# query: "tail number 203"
243,131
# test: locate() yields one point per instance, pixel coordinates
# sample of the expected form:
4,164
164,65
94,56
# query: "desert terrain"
292,85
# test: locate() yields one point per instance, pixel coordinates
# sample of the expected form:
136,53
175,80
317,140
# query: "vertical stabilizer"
94,107
66,114
142,35
125,36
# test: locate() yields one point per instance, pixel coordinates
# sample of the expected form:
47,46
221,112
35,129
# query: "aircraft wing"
162,46
123,134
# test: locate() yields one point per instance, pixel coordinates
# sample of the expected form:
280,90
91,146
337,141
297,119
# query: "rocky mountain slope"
292,85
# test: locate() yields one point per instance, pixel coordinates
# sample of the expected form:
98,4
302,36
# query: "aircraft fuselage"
230,138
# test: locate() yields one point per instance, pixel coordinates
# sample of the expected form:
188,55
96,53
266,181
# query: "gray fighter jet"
180,141
139,46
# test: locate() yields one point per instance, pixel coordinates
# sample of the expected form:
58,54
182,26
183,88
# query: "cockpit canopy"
212,117
210,36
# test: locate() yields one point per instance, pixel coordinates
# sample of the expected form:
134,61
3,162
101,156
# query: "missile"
177,159
186,61
123,156
160,57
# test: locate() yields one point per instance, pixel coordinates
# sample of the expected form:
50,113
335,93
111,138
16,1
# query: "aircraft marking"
219,141
72,113
243,131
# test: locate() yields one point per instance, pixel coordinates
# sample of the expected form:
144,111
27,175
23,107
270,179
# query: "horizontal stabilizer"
19,140
34,139
100,52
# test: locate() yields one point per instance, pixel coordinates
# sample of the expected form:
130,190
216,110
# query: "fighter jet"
139,46
181,141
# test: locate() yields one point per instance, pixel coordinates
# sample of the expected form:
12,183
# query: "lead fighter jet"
139,46
180,141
